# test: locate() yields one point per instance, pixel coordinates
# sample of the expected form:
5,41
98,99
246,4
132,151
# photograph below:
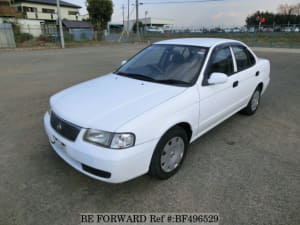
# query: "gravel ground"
247,169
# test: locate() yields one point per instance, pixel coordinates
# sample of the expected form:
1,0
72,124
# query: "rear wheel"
253,103
169,154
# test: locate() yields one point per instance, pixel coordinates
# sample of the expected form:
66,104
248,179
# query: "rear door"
245,74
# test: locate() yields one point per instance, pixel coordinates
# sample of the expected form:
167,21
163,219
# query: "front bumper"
113,166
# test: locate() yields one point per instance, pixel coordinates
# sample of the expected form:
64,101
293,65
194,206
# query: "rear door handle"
235,84
257,74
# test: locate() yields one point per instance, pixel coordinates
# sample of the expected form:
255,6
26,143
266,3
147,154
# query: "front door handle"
235,84
257,74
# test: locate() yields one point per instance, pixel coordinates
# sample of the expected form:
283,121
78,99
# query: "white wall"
47,16
32,27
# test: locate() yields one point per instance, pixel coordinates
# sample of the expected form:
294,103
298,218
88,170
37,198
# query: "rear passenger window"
244,59
221,61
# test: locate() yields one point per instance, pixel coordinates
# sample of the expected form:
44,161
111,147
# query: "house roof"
51,2
76,24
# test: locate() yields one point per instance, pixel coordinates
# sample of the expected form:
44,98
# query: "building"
46,9
80,30
38,17
150,22
6,9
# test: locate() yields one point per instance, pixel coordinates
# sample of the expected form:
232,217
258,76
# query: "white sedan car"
141,118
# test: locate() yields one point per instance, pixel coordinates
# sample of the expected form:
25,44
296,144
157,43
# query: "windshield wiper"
146,78
172,81
136,76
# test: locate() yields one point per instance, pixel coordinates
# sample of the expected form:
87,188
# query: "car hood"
110,101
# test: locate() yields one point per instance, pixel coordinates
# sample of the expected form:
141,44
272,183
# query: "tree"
141,26
272,19
285,9
100,12
296,10
289,9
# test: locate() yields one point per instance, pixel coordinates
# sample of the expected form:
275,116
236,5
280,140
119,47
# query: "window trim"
216,48
235,69
247,52
50,11
72,13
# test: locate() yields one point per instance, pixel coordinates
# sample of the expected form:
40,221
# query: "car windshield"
168,64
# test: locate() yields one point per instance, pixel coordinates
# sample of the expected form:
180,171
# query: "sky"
208,13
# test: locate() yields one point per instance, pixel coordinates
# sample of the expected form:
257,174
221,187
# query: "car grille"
64,128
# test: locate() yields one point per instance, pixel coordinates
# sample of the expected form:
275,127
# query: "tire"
253,104
169,154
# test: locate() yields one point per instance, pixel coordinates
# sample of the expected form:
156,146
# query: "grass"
290,40
253,39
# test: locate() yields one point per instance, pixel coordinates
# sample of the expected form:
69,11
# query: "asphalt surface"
247,169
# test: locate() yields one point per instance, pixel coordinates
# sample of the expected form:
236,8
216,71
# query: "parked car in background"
251,29
154,29
244,29
167,28
236,30
142,117
287,29
216,30
227,30
198,31
278,29
267,29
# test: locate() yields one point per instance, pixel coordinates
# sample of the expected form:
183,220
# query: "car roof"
203,42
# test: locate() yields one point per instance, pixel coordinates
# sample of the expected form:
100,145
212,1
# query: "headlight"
98,137
108,139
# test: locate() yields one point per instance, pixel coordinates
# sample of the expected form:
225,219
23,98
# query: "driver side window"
221,61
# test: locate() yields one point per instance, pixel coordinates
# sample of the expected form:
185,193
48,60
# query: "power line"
178,2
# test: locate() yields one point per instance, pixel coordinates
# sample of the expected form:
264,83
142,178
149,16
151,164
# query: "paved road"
247,169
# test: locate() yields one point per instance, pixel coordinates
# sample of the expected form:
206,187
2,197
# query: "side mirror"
217,78
123,62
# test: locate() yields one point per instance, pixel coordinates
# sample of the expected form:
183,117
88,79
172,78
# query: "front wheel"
169,154
253,103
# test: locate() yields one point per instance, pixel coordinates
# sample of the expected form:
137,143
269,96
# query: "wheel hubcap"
255,100
172,154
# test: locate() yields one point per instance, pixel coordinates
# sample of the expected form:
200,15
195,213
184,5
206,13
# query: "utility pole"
61,34
137,20
125,32
128,17
146,13
123,7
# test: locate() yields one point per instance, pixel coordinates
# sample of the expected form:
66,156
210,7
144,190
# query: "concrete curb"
278,50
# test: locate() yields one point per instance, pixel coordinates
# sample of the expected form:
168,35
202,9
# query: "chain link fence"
42,35
285,35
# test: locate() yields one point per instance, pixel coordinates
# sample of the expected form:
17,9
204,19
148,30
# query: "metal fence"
41,35
7,39
47,36
285,35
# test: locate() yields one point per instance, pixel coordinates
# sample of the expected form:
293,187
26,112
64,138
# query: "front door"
217,101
